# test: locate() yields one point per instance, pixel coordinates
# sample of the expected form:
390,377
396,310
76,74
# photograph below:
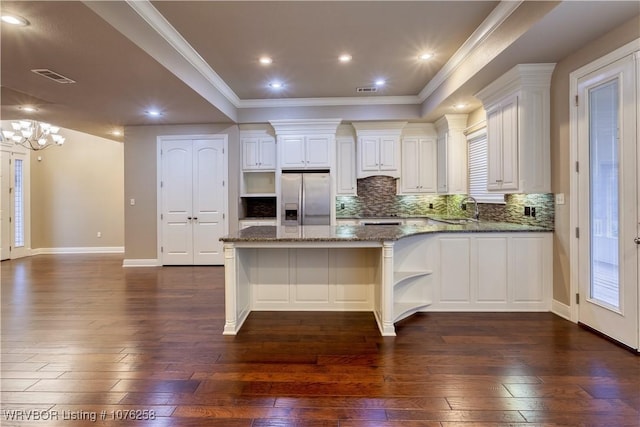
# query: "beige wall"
140,182
76,192
560,144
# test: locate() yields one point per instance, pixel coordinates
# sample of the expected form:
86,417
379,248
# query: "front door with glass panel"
608,201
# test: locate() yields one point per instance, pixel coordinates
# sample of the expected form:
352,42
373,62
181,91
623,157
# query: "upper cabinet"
452,154
306,144
378,148
302,152
419,159
346,165
518,131
258,152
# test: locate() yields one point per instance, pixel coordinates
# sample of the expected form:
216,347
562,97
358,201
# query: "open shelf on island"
401,277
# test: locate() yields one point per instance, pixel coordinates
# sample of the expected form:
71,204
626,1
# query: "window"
478,169
18,200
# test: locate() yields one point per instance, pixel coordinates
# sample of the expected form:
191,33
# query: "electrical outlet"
99,234
527,211
341,205
430,205
533,212
464,206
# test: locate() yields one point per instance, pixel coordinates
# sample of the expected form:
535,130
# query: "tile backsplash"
377,197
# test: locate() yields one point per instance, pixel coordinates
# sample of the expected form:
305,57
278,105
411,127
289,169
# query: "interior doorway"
193,199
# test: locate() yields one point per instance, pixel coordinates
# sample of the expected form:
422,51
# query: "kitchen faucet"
476,214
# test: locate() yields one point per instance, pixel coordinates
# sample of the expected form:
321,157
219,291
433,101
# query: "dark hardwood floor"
84,337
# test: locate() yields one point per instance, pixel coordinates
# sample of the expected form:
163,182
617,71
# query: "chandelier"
33,135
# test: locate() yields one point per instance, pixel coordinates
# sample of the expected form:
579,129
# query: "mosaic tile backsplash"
377,197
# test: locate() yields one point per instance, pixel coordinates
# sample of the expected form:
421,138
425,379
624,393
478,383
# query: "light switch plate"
560,199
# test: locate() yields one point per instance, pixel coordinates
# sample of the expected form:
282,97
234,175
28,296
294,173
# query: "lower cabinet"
495,271
473,272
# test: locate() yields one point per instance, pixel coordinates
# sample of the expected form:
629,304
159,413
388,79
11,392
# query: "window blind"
478,164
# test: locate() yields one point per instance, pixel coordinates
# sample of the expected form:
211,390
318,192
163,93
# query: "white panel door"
608,201
177,202
208,201
193,201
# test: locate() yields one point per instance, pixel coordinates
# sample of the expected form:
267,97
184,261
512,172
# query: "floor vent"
366,89
52,75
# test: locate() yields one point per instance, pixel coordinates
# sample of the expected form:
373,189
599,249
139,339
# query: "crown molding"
329,101
146,10
495,19
306,126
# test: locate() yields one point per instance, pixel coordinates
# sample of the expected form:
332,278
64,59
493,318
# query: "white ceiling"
198,61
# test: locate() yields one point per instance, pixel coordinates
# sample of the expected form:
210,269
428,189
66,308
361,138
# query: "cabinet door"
369,153
389,153
410,179
250,153
346,166
510,143
427,166
292,153
494,149
317,151
442,164
267,153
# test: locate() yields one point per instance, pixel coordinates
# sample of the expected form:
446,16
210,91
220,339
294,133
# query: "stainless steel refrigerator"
305,198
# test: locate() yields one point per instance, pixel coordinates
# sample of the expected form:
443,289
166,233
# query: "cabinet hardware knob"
637,240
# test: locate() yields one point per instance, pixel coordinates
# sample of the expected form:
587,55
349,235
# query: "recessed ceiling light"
276,85
460,106
14,20
265,60
425,56
116,133
28,108
380,82
345,57
153,113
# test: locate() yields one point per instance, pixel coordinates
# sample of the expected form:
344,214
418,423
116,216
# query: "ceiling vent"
366,89
52,75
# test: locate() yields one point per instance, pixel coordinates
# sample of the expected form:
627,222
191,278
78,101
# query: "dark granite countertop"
363,233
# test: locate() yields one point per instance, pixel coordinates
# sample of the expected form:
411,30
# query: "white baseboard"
141,263
79,250
561,309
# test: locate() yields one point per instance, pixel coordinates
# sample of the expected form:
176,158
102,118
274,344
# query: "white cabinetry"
494,271
378,150
304,152
452,154
346,166
419,165
258,153
518,130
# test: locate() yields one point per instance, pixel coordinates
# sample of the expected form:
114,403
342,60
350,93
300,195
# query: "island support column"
230,290
386,304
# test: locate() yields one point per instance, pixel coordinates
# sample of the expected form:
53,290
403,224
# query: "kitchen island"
393,271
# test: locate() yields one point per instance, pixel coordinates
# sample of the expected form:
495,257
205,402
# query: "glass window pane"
604,193
18,194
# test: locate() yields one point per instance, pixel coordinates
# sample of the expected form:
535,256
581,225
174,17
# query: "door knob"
637,240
